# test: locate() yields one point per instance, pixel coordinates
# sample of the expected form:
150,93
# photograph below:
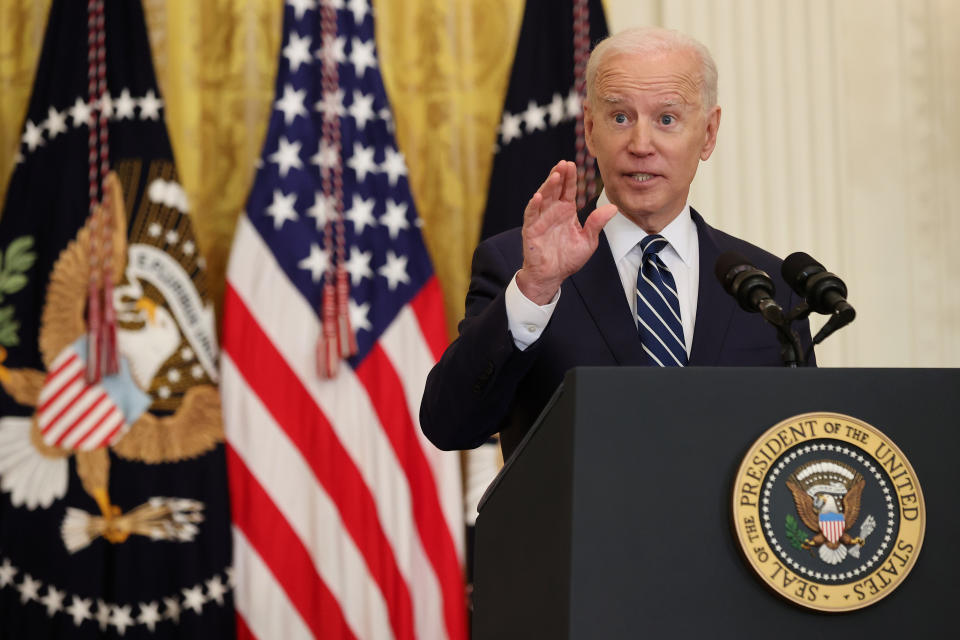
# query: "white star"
173,376
361,213
325,157
193,598
150,106
125,105
291,104
395,270
196,371
56,123
395,219
171,237
362,109
359,9
186,353
106,106
172,609
164,392
555,110
103,614
535,117
573,104
216,589
316,263
154,230
53,601
394,166
287,156
362,161
362,56
80,112
7,572
323,210
79,609
331,103
29,589
332,50
358,315
510,127
281,209
300,7
149,615
33,136
120,618
359,265
188,248
297,51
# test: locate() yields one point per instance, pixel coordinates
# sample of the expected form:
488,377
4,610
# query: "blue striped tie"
658,307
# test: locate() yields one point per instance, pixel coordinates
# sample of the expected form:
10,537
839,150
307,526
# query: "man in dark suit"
650,118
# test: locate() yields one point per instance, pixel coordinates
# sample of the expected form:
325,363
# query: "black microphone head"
743,281
797,268
727,267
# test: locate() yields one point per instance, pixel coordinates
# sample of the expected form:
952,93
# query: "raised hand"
555,246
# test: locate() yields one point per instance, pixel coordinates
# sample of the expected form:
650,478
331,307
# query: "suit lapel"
714,306
598,285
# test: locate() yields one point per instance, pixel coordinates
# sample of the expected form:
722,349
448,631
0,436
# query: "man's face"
646,126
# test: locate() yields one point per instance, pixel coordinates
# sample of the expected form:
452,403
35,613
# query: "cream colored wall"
840,136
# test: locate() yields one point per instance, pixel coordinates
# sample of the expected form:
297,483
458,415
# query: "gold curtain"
446,64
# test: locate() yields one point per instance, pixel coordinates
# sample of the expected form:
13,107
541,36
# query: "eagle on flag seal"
827,496
76,417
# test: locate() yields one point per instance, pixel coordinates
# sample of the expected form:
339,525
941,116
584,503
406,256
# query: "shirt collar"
623,235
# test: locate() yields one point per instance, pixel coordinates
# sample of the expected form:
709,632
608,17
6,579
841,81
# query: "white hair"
655,40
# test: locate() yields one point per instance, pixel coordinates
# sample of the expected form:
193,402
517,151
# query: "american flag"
347,522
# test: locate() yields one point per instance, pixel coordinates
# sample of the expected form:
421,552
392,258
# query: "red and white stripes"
335,493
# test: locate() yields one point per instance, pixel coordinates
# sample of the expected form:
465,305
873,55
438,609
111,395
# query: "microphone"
752,288
823,291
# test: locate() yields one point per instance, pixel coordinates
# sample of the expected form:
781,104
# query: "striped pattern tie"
658,307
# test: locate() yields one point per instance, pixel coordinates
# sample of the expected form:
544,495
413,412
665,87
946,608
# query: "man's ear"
588,126
710,137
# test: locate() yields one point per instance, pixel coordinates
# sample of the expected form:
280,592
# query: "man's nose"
641,139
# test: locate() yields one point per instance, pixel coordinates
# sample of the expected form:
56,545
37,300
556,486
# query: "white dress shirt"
527,320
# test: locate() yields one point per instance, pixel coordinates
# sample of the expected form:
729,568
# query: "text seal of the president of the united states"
828,511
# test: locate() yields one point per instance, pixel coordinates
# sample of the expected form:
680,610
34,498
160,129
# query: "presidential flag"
113,491
347,523
539,126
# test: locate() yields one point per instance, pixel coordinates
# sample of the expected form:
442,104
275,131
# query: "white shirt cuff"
525,318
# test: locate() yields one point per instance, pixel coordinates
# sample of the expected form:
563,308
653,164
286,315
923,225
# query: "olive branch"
794,535
14,263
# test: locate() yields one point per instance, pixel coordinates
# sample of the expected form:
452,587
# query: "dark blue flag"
538,126
113,499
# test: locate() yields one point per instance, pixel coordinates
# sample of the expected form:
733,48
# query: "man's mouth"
641,177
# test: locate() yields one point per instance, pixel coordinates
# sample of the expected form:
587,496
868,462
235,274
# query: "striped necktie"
658,307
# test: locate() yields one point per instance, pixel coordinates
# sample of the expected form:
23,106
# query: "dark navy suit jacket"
484,384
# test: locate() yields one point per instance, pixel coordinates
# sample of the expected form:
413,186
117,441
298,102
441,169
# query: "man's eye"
620,118
667,120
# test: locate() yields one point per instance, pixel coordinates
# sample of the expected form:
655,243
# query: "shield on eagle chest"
832,525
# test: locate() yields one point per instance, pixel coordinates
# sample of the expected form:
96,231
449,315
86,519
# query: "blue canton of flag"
347,522
385,255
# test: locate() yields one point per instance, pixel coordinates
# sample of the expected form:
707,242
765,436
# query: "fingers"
557,184
533,206
596,220
569,182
